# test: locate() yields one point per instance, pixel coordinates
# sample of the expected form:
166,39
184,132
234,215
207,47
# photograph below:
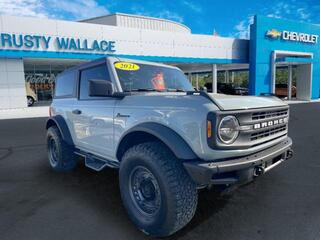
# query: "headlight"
228,129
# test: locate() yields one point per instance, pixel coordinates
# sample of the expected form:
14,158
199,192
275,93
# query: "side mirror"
100,88
204,89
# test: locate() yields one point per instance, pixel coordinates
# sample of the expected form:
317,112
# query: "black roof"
86,65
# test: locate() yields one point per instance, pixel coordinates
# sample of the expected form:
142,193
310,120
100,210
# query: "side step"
97,163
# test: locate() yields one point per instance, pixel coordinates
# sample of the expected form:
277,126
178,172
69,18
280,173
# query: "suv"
166,139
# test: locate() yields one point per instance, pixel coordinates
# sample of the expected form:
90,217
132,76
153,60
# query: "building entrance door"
292,75
286,82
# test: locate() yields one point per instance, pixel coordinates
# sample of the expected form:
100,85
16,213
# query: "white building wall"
137,21
132,21
12,84
128,41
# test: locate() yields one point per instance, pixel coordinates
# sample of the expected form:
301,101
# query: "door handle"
76,111
119,115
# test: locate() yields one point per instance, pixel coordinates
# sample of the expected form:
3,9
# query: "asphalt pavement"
37,203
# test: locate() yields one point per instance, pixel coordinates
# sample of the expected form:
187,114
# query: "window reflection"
40,78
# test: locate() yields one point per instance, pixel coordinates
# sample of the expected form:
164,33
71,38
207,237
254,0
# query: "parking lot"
37,203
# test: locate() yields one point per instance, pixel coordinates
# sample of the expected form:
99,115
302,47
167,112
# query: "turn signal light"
209,129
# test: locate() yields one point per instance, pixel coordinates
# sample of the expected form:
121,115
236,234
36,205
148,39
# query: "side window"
98,72
65,84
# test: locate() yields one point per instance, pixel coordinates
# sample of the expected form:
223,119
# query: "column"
273,72
214,78
232,76
227,76
197,81
12,84
190,77
289,82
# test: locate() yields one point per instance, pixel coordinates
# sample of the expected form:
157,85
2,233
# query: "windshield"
145,77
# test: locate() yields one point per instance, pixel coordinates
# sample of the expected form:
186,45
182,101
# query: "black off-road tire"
61,155
177,190
30,101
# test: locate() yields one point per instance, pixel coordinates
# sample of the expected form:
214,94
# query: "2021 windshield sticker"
127,66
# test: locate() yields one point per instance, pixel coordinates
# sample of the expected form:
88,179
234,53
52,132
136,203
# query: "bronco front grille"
268,132
269,114
274,130
256,126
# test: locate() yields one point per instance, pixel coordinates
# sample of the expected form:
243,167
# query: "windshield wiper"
142,90
155,90
175,90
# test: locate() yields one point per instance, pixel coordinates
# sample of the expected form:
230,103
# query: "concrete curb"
31,112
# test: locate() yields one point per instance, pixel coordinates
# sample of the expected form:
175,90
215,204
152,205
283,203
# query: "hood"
231,102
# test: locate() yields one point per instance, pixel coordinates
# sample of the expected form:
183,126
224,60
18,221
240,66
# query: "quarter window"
65,84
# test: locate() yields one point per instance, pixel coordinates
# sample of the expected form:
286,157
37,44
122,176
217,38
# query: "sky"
228,18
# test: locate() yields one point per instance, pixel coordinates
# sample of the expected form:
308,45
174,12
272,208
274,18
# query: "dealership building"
33,51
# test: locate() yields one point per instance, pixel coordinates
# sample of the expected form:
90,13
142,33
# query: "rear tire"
156,190
61,155
30,101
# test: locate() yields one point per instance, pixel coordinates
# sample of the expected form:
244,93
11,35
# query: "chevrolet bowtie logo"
273,33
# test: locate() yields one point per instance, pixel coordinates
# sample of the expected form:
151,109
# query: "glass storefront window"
42,84
40,77
239,78
236,79
199,80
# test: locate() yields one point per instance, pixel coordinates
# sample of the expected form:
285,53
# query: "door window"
98,72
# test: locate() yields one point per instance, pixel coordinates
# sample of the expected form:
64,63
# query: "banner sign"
293,36
38,42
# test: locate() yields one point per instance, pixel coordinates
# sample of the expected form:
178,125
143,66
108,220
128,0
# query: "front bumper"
241,169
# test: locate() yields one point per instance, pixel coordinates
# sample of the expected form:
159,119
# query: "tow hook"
289,154
257,171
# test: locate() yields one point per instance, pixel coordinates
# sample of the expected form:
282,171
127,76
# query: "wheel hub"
29,101
144,191
147,189
53,151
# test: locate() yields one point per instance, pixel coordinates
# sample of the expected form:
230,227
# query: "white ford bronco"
166,139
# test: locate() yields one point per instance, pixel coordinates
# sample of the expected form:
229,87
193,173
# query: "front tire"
156,190
60,154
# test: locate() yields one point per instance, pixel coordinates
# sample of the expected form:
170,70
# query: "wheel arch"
155,132
61,124
31,97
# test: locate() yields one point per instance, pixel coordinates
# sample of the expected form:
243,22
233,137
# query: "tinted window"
65,84
99,73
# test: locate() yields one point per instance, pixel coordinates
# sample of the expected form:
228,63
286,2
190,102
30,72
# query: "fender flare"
168,136
61,124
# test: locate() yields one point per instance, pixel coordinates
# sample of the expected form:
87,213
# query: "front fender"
167,135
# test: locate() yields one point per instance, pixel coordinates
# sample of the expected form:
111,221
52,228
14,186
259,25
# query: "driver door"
93,116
